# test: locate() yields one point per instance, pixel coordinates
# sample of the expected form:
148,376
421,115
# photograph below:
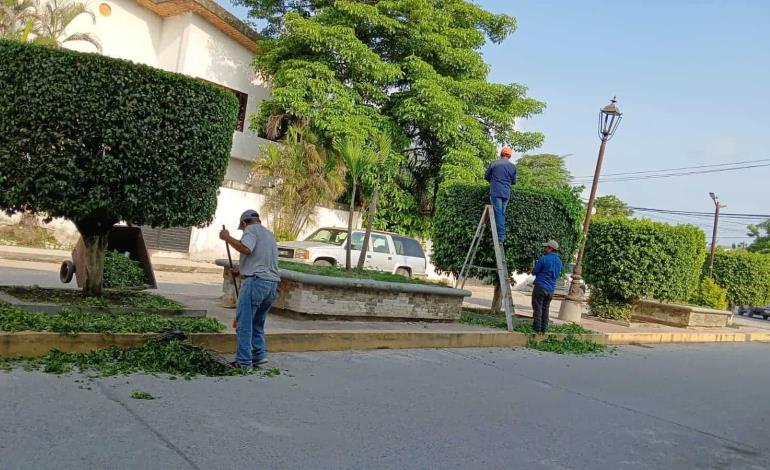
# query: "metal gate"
167,239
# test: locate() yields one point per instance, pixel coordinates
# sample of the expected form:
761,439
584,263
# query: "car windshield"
328,236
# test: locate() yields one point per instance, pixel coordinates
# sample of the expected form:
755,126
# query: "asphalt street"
663,407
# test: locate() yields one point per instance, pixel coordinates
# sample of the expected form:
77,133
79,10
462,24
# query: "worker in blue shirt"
501,174
547,271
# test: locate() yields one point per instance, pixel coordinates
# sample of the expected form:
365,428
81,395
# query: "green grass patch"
334,271
497,320
570,344
111,298
71,321
141,395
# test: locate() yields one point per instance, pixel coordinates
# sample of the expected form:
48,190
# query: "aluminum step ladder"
488,215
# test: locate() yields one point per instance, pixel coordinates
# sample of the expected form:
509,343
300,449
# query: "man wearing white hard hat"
547,271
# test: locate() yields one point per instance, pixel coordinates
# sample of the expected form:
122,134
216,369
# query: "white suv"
387,251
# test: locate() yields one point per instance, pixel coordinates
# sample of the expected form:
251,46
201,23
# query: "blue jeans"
499,205
254,300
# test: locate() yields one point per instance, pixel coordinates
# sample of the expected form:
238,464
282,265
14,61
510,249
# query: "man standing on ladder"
501,175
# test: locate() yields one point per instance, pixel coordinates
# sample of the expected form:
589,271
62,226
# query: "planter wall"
340,297
680,315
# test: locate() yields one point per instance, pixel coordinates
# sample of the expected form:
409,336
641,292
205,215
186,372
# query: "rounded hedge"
745,275
97,140
533,218
630,259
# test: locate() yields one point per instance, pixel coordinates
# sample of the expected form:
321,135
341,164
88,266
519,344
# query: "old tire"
322,262
403,272
66,271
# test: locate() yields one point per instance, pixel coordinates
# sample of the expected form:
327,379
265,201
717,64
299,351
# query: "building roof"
211,12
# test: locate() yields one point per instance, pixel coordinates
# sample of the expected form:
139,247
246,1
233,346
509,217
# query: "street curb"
57,259
36,344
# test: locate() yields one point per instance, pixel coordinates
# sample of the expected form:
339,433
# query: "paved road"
672,407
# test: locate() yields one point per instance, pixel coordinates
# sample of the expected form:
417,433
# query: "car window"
408,247
330,236
358,240
380,244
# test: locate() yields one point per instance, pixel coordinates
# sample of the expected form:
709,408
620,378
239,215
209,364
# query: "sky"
692,79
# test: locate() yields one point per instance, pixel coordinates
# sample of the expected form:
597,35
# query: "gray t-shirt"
263,260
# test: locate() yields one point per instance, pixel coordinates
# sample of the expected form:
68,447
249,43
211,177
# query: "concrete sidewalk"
199,285
159,263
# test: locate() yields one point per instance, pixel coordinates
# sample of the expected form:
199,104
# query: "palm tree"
304,175
55,16
358,160
17,19
383,145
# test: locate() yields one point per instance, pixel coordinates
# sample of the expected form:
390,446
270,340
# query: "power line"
678,169
732,215
671,175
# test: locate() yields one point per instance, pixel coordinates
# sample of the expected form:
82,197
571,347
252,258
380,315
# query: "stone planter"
326,296
680,315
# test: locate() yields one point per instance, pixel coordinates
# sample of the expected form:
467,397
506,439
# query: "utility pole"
717,206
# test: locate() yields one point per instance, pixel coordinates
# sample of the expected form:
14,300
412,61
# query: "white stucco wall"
206,245
210,54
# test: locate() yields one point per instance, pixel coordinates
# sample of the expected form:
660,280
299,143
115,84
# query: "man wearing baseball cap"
501,175
547,271
258,265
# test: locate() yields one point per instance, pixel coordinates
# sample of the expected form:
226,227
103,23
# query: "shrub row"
745,275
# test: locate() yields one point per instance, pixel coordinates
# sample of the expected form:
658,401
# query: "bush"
533,218
710,295
606,307
120,271
629,259
745,275
97,140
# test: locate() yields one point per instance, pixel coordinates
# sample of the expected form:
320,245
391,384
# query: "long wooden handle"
230,259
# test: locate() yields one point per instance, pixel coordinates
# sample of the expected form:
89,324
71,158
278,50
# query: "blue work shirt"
501,174
547,271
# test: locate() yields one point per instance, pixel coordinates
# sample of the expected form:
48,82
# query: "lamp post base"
571,310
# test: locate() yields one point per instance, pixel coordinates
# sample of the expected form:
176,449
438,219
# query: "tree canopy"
612,206
411,69
761,235
543,171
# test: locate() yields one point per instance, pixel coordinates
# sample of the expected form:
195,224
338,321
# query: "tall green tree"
761,235
543,171
612,206
358,160
383,149
410,68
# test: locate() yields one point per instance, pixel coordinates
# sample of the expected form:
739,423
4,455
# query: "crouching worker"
547,271
258,265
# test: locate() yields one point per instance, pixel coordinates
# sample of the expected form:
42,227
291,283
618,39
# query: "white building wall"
206,245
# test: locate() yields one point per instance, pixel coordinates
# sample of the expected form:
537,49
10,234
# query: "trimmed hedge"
745,275
533,218
710,295
96,139
628,259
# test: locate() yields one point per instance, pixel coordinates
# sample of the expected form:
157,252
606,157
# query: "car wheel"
765,316
66,271
322,262
403,272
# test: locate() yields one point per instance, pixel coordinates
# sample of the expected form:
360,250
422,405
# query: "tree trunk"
497,298
350,226
96,247
365,246
29,219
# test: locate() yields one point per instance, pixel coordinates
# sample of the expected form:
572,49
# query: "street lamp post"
717,206
572,307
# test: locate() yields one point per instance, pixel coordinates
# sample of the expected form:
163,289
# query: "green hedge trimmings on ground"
745,275
77,321
121,271
520,325
631,259
334,271
110,298
568,345
533,218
